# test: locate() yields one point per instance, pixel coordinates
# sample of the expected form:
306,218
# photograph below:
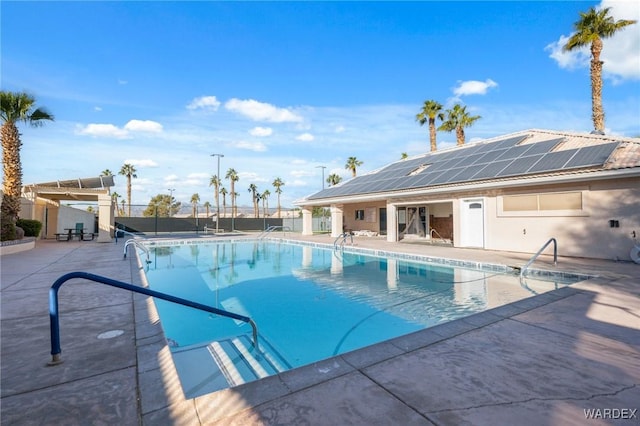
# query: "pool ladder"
535,256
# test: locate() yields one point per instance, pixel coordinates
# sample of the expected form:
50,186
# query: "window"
565,203
359,214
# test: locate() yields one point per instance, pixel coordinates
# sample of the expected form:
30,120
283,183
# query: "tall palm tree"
265,202
14,108
234,196
334,179
215,182
114,197
430,111
129,171
278,184
352,164
207,206
457,119
224,193
404,156
253,189
106,172
195,199
591,28
232,175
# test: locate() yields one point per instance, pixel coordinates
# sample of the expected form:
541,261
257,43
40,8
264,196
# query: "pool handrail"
54,316
344,237
137,244
272,228
535,256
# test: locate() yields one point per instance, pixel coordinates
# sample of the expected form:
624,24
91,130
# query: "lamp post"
217,192
170,199
322,167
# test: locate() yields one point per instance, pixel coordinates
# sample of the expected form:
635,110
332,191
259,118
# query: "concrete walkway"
540,361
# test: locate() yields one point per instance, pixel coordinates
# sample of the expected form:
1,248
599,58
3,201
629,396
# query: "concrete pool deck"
540,361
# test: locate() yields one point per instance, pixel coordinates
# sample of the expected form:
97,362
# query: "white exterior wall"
586,234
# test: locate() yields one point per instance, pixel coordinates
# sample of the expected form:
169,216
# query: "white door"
472,223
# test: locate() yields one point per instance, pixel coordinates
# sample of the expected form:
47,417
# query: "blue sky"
282,88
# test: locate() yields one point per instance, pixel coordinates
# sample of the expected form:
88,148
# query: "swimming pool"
309,302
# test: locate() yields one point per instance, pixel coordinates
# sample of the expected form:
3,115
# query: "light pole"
322,167
170,199
218,191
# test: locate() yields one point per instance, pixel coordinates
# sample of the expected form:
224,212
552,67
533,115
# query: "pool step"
226,363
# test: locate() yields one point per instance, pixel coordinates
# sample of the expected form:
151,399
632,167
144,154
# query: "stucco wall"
584,235
350,221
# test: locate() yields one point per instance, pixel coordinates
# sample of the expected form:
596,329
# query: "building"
511,193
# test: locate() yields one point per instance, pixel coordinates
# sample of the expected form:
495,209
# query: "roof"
100,182
527,154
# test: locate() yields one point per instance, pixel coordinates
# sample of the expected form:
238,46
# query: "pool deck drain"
546,360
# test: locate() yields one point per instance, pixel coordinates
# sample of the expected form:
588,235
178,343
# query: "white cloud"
97,108
102,130
261,131
302,173
251,146
141,163
620,53
260,111
197,175
474,87
171,178
208,103
340,129
143,126
305,137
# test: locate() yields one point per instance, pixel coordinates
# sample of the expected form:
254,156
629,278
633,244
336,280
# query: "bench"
62,237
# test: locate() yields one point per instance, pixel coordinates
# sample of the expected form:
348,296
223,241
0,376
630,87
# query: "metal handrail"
54,317
137,244
272,228
535,256
344,237
436,232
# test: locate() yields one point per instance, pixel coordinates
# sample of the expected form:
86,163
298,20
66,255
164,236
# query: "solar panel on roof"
591,156
492,169
489,157
553,161
466,173
520,165
542,147
470,159
514,152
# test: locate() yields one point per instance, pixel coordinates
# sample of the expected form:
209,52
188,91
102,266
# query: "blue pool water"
309,303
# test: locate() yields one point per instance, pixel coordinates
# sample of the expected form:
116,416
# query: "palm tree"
232,175
352,164
430,111
14,108
234,196
404,156
207,206
224,193
114,197
106,172
195,199
130,172
591,28
215,182
457,119
265,202
253,189
278,184
334,179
